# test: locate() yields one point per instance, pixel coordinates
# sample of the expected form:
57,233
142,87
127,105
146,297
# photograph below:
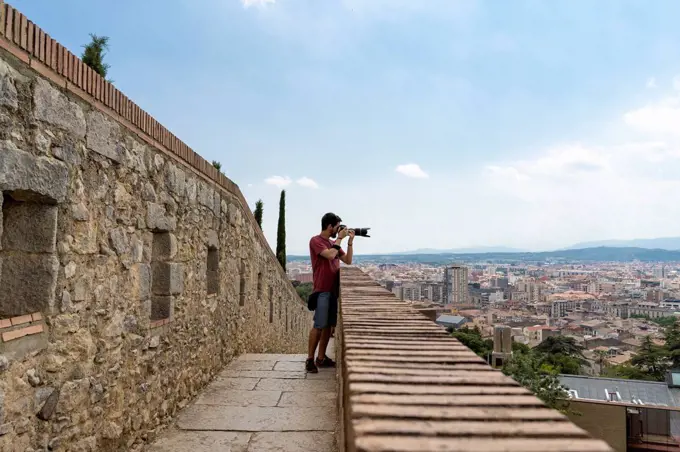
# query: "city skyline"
555,127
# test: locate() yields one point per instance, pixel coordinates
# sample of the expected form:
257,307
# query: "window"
242,285
271,304
212,272
259,286
28,235
167,278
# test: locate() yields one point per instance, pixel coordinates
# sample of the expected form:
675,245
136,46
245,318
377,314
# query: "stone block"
164,246
119,241
175,179
205,195
141,281
212,240
28,283
8,93
30,177
29,227
53,107
157,219
190,188
161,307
67,153
167,278
103,136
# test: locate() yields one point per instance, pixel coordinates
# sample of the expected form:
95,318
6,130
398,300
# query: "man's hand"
341,235
351,236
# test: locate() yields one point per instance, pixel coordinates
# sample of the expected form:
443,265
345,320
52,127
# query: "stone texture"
167,278
29,176
141,281
292,442
54,108
179,441
157,219
29,227
308,399
103,136
269,384
161,307
218,396
164,246
256,419
119,241
48,409
9,96
28,283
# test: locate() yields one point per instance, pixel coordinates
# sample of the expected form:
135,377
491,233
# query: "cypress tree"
94,53
281,232
258,212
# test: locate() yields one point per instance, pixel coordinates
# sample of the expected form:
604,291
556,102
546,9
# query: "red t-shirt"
325,271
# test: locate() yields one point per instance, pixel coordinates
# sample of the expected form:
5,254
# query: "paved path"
260,402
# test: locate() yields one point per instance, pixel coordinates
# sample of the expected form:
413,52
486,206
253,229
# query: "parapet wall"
131,270
405,385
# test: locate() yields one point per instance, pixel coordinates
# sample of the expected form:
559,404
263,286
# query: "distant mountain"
666,243
597,254
472,250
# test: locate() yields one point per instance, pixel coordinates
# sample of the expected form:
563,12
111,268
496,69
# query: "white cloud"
651,82
660,118
278,181
307,182
258,3
412,170
676,83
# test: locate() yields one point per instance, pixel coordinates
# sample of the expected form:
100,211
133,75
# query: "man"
326,255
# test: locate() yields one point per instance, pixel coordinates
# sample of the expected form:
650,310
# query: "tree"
281,232
628,372
472,339
651,359
541,379
93,55
672,346
601,356
217,165
561,353
563,345
258,212
304,290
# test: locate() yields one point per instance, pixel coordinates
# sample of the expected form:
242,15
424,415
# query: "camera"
359,232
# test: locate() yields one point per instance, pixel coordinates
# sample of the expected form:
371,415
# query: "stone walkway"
260,402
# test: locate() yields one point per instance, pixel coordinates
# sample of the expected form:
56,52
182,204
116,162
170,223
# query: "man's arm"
347,257
319,247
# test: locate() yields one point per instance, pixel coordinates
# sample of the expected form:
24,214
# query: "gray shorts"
326,312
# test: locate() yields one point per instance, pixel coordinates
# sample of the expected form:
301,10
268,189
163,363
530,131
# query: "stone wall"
128,278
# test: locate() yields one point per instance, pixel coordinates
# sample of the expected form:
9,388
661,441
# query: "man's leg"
325,337
316,334
323,360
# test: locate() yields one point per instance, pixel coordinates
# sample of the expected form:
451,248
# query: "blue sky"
439,123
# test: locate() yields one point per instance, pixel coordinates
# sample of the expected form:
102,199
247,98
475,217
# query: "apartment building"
455,288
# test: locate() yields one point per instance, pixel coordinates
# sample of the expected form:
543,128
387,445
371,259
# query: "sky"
438,123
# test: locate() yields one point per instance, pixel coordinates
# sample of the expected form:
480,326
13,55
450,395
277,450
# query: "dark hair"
330,219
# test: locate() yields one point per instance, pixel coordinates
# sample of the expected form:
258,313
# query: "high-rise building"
455,284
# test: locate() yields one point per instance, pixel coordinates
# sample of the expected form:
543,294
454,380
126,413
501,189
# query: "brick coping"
407,385
29,43
19,326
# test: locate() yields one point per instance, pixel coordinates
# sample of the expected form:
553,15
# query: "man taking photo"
326,255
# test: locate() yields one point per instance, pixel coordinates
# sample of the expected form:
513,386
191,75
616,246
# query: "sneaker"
310,366
325,362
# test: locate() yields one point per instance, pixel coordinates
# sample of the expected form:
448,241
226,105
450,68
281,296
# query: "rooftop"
631,391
